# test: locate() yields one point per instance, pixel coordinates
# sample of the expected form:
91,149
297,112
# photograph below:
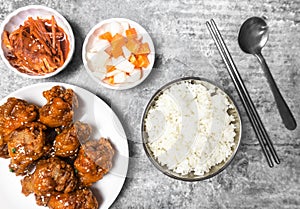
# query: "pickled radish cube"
97,60
113,73
125,66
99,45
115,28
120,77
116,61
125,26
134,76
104,28
126,52
108,62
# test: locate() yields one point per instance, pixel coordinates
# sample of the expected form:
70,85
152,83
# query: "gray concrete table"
185,48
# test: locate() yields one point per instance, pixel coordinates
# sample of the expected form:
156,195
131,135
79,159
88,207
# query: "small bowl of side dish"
118,53
191,129
36,42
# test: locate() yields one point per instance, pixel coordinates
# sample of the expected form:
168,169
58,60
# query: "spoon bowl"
253,36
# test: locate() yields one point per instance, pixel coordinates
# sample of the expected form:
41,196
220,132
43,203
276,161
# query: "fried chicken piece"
13,114
4,151
26,144
56,113
94,160
79,199
67,95
51,175
59,109
66,144
42,200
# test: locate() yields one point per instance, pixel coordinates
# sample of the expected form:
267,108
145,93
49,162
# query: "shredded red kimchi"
38,47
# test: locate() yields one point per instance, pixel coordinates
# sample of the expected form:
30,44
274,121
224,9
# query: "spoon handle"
284,111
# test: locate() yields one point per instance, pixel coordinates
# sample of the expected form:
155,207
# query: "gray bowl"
215,169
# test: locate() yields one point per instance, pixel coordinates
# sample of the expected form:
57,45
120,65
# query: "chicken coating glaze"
59,109
79,199
50,176
56,113
67,95
13,114
66,144
4,151
94,160
26,144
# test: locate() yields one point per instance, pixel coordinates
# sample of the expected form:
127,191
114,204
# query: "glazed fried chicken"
13,114
94,160
59,109
67,95
50,176
26,144
66,144
4,151
56,154
79,199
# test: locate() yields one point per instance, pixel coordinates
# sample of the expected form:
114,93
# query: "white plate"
94,34
99,115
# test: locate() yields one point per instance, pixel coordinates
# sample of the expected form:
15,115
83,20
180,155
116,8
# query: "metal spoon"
252,38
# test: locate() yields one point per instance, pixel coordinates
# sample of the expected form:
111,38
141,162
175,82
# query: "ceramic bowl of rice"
191,129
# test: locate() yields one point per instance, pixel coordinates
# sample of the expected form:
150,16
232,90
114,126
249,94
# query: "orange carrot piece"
106,36
116,45
133,45
110,68
143,49
133,60
109,80
117,41
143,61
116,52
131,33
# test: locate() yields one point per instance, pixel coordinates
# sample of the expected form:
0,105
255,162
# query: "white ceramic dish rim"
141,30
56,14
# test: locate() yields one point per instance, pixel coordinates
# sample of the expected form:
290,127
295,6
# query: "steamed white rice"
189,128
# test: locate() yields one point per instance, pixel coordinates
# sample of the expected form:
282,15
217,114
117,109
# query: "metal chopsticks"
260,131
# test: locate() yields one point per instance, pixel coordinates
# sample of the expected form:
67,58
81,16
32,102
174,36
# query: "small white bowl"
19,16
94,34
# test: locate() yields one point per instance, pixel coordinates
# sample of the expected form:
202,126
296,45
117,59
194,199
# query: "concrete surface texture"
184,48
